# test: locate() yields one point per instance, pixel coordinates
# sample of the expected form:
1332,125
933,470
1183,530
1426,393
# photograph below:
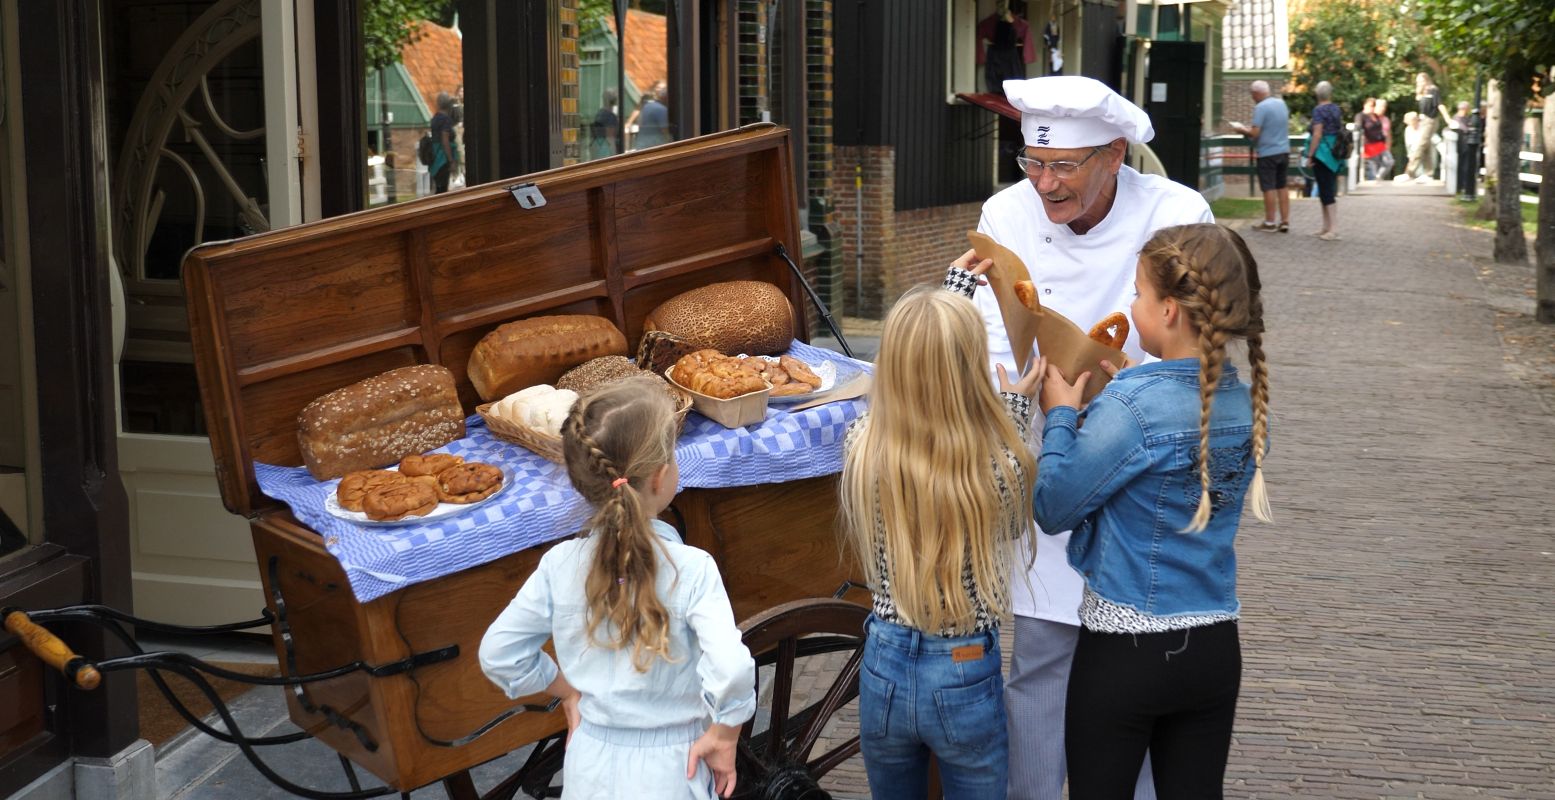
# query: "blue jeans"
922,696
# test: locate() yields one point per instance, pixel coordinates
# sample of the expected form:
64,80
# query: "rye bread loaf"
538,350
751,317
377,422
659,350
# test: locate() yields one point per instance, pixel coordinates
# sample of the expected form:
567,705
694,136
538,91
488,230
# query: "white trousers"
614,763
1034,699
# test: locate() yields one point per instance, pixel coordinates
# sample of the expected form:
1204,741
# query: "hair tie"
618,483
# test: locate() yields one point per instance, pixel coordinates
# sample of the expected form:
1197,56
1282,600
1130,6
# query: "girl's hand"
716,747
570,708
969,262
1029,383
1058,392
1113,371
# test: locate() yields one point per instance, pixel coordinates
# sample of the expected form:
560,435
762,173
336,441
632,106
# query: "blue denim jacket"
1127,483
711,677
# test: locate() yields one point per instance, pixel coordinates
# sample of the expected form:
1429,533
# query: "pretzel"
1100,331
1026,293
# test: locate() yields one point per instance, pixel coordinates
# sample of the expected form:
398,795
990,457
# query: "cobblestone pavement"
1397,632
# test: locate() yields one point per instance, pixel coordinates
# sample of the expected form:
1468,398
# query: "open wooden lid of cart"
280,318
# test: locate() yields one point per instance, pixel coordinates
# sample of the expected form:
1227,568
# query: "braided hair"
1209,271
614,440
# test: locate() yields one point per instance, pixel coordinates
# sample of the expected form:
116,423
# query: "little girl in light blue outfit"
653,675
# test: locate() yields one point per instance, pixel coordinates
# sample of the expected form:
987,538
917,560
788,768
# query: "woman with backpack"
1328,148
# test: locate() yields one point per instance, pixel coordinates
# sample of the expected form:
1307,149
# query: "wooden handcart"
393,684
283,317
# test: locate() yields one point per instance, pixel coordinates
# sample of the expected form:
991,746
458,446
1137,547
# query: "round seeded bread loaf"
751,317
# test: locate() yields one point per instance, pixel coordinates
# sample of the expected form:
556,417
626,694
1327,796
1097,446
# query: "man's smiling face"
1065,199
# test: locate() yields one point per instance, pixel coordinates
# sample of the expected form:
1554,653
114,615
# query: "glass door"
205,114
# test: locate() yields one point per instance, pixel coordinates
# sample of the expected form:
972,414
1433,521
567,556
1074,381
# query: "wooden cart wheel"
778,760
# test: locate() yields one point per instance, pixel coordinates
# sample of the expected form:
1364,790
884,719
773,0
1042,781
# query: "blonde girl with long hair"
1152,477
653,676
935,486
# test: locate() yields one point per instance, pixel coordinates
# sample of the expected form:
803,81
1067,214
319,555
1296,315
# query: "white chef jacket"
1085,278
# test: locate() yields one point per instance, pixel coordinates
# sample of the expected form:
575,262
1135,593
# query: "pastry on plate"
468,483
419,465
409,497
355,486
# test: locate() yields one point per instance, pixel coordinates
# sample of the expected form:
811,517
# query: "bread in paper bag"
1064,343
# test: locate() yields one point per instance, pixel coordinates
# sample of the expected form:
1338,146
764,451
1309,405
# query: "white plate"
333,508
829,371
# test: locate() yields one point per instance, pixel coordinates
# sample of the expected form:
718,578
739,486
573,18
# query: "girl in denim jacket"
654,679
1152,477
934,490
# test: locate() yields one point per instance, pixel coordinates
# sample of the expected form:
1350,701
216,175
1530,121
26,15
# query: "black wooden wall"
890,90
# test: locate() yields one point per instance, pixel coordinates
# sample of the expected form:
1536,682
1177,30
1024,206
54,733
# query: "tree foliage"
1365,48
1491,33
389,26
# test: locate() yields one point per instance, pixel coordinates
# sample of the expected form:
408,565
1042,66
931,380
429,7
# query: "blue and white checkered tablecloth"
541,506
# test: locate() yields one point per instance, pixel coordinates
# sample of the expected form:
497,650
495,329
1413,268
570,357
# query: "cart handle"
51,649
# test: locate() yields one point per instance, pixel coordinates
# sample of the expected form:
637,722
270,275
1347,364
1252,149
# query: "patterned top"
1013,527
1103,616
1328,114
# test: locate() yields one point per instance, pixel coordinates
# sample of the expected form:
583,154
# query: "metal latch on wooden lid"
528,195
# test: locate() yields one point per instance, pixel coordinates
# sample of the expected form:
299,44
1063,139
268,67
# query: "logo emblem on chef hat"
1042,134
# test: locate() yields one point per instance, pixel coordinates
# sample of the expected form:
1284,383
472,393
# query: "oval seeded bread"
591,375
751,317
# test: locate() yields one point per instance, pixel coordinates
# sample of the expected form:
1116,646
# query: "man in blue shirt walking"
1270,127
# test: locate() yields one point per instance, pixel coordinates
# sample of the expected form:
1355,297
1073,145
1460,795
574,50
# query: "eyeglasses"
1060,169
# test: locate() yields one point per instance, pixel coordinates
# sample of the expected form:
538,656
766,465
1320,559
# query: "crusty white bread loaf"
377,422
538,350
751,317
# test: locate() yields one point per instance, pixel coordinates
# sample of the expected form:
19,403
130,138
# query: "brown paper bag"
1063,342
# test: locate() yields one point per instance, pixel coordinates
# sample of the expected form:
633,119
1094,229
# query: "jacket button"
1047,239
1047,291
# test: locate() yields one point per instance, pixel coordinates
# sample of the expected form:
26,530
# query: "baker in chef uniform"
1078,223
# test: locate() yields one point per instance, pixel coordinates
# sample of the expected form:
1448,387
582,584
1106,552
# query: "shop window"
973,31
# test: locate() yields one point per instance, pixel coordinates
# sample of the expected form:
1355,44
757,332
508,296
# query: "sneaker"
1284,227
1266,227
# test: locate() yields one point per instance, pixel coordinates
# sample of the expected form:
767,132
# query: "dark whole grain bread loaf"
751,317
538,350
378,421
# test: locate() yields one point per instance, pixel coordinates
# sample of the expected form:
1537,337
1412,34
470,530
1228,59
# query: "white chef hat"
1072,111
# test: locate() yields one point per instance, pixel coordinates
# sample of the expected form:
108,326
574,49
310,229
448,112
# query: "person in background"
1373,142
1411,140
1428,98
1326,123
1468,146
1152,476
653,677
1270,129
652,119
1384,165
603,130
445,153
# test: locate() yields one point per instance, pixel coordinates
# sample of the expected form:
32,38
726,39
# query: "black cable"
816,299
238,739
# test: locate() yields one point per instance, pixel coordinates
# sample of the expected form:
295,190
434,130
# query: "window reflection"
645,107
414,96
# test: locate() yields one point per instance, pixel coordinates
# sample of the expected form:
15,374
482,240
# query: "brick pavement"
1397,629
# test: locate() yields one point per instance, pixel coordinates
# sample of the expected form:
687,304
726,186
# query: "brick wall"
878,216
571,140
927,240
819,157
751,60
901,248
